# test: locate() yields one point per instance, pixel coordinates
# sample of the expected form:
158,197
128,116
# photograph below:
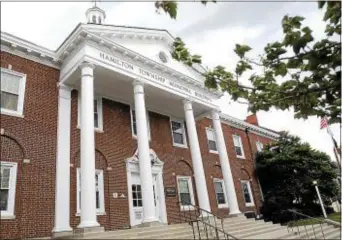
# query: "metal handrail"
200,218
294,223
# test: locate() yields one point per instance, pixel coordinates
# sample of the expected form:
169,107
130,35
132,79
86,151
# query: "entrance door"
136,196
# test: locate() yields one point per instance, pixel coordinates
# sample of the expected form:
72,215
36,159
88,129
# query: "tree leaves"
312,68
286,175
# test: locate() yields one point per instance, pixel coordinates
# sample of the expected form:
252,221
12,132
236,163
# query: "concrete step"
245,225
334,235
138,231
276,233
259,231
246,229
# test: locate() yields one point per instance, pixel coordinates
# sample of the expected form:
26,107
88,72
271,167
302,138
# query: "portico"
97,66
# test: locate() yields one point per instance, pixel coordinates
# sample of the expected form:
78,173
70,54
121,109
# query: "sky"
210,31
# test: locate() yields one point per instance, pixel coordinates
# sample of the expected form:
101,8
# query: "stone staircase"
239,227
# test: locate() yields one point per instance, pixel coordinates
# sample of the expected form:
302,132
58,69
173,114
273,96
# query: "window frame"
101,210
148,123
241,146
99,113
258,143
251,204
182,122
191,191
208,129
21,94
225,205
9,213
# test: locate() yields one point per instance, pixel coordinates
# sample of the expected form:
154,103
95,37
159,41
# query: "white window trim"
101,210
241,145
224,192
185,145
206,132
99,113
148,123
258,143
251,204
9,214
186,207
21,94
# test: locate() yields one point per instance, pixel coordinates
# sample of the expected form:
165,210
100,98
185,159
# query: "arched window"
99,20
94,19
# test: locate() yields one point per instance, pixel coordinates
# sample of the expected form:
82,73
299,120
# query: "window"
136,195
220,193
99,188
134,124
12,92
178,133
259,146
98,117
238,146
7,191
211,140
185,192
247,193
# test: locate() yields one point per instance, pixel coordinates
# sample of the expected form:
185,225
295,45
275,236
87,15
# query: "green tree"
286,170
311,69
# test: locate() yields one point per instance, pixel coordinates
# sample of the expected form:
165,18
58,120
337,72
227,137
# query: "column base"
89,230
62,234
235,214
149,224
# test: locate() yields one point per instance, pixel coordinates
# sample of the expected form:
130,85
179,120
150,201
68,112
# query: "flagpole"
337,155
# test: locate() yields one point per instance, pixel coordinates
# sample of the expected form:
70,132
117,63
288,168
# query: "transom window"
136,195
7,190
211,140
99,191
247,193
178,133
220,193
98,116
134,124
12,92
259,146
185,192
238,146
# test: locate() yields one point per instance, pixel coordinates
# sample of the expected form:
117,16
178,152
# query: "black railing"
305,226
205,225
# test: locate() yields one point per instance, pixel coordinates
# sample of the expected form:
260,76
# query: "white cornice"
28,50
136,57
234,122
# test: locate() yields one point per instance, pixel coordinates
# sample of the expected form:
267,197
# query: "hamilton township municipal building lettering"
152,76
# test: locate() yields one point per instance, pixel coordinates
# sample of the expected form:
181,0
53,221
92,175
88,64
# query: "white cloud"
49,23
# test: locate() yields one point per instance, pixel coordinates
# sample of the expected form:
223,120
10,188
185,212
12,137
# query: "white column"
144,154
62,191
225,166
88,198
201,185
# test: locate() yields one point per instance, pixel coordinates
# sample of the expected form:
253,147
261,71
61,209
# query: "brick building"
150,135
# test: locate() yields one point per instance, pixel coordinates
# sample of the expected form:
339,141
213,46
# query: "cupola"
95,15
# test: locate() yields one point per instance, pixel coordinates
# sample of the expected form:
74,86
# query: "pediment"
153,156
154,44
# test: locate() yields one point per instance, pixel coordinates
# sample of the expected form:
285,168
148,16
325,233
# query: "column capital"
138,87
87,64
137,82
187,104
216,114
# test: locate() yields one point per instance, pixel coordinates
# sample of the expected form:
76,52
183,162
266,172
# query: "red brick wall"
34,137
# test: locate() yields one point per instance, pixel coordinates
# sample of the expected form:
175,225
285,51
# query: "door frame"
132,165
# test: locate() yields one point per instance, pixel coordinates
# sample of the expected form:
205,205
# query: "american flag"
324,122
